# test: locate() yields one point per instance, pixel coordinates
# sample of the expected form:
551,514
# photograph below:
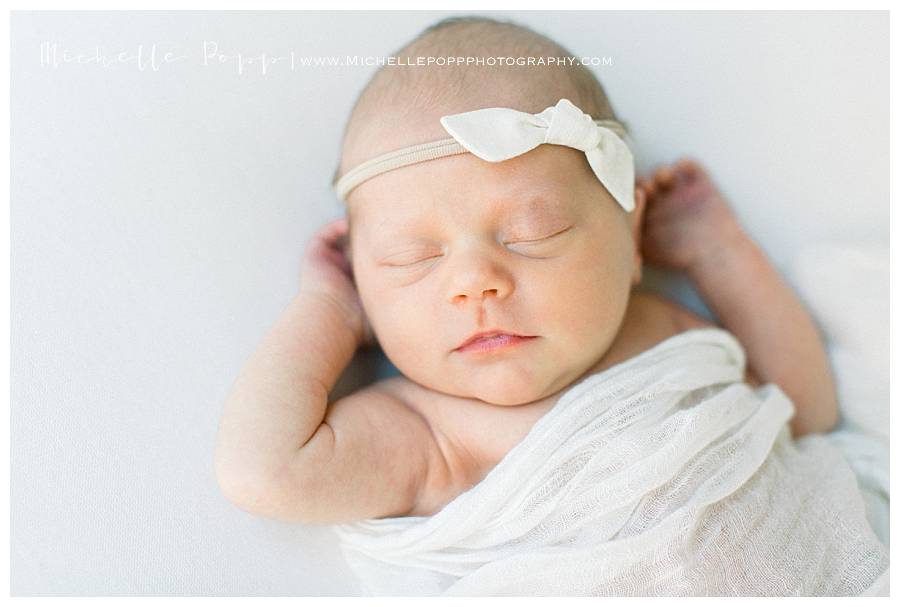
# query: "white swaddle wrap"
662,475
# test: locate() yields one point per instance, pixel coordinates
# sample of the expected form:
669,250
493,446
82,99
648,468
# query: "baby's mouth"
493,341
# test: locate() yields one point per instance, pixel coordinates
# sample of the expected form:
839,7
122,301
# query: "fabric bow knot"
496,134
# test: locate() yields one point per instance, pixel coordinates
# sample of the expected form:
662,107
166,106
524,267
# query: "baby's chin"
509,400
504,391
512,380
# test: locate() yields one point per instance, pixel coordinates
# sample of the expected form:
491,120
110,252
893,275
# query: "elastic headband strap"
420,153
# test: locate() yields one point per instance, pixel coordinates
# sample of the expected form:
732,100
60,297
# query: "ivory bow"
496,134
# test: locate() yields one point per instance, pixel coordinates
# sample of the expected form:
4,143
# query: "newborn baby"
494,286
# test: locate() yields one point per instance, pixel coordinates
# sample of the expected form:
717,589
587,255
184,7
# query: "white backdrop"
158,218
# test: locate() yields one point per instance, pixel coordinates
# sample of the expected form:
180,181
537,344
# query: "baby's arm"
742,289
280,397
783,345
283,451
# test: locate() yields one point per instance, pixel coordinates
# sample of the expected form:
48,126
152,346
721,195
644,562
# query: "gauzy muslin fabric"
663,475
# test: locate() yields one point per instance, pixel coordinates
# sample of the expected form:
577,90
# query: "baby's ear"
348,251
348,242
637,227
640,201
636,216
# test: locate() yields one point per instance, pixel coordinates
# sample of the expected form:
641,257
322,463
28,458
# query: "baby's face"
534,245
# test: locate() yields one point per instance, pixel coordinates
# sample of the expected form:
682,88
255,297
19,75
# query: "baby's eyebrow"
534,203
536,207
508,205
529,203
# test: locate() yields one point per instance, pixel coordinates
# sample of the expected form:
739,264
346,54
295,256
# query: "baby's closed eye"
415,258
539,239
402,263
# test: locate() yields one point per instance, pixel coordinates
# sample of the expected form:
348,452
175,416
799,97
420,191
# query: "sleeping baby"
555,429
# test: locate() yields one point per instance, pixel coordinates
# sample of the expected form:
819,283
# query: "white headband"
496,134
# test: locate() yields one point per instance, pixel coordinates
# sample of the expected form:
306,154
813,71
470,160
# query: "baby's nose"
480,281
478,272
460,297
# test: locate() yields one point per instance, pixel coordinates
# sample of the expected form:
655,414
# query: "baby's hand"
686,218
326,273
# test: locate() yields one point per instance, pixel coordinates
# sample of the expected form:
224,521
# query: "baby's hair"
467,35
396,94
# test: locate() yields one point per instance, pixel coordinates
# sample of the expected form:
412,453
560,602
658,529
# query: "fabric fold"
662,475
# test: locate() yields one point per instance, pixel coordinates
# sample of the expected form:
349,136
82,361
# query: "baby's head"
534,245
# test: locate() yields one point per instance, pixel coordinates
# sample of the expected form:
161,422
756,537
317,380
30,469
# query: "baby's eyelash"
412,263
532,241
541,239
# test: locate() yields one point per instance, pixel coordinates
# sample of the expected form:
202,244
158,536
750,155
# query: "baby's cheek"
589,302
404,325
382,315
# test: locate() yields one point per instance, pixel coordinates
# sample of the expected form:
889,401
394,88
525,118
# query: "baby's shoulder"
649,319
681,320
663,310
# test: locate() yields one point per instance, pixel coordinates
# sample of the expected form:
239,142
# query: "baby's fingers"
330,243
664,176
333,235
660,180
333,231
646,186
688,168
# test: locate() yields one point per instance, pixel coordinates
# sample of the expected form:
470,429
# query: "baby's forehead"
546,183
534,188
407,216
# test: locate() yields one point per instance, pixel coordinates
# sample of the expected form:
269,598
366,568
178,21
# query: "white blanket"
662,475
851,303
